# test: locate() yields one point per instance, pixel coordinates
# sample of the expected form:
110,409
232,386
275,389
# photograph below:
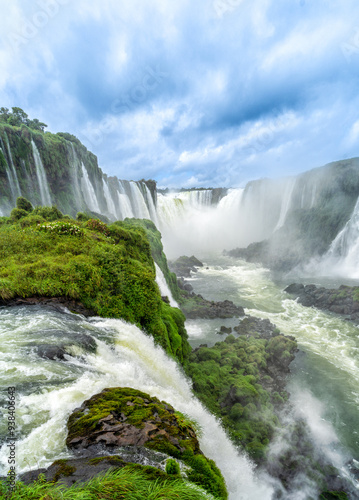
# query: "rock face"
57,303
184,265
318,205
131,424
343,300
199,307
126,417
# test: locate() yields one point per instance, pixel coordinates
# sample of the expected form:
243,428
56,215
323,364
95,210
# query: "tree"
17,117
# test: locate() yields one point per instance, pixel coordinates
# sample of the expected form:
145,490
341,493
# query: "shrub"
48,213
24,204
81,216
17,213
97,225
60,227
31,220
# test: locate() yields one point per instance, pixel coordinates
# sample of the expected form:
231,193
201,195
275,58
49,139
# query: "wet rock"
225,329
74,470
51,352
256,327
125,417
57,303
202,308
343,300
184,265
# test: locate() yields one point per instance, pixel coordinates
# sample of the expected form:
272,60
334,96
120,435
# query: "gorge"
305,227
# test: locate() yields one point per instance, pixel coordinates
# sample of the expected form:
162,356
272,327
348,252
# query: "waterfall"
41,177
202,226
151,206
74,165
125,357
11,171
124,203
109,200
88,191
164,288
286,202
138,202
343,254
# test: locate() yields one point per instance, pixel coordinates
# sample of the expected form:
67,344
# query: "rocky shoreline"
343,300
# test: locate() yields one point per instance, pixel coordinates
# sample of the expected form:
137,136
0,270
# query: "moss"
109,269
230,379
64,469
172,467
137,408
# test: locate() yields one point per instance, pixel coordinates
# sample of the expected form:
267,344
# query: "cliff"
56,169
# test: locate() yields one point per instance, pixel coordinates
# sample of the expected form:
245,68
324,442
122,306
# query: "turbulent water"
48,390
324,383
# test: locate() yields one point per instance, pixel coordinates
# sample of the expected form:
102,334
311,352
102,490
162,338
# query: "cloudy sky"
189,92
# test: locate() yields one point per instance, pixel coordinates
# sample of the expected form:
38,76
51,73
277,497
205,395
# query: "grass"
127,483
108,268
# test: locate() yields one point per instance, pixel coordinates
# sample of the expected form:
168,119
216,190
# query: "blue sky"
189,93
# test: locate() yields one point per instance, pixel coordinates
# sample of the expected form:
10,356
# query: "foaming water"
330,343
125,357
324,381
164,288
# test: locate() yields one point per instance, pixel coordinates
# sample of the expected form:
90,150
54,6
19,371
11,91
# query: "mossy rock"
128,417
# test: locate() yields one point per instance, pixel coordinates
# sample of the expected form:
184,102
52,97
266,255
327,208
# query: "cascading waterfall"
125,357
11,171
343,254
108,197
164,288
139,205
200,224
41,176
88,191
286,203
124,204
75,168
151,206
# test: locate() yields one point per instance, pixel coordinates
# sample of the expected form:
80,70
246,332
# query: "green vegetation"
172,467
18,117
108,268
127,483
137,408
154,238
230,379
60,153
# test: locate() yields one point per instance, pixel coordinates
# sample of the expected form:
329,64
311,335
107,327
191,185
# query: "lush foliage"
128,483
18,117
230,379
109,269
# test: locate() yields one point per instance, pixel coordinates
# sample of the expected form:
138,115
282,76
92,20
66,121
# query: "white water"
139,205
342,257
125,357
125,209
151,206
88,191
164,288
110,203
199,224
41,177
74,163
